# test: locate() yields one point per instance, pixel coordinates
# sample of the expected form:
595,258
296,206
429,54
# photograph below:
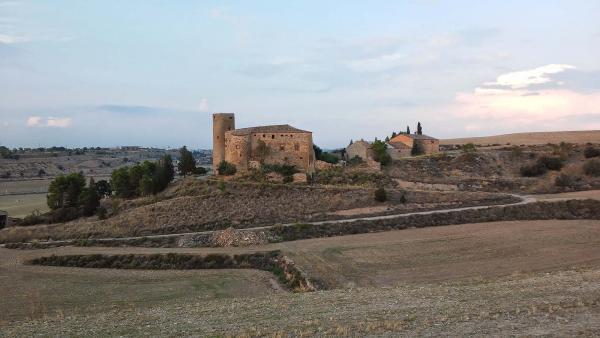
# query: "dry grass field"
556,137
505,278
23,205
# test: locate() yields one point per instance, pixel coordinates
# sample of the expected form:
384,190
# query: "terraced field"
535,277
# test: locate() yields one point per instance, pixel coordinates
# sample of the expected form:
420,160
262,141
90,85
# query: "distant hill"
583,136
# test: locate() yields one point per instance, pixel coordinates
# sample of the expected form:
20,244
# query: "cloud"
52,122
511,103
378,63
203,107
34,121
526,78
11,39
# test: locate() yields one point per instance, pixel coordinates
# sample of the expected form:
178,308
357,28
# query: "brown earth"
192,205
493,170
504,278
580,137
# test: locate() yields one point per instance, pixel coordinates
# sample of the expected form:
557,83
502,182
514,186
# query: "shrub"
516,152
590,152
565,180
551,163
283,169
533,170
200,171
380,195
469,148
355,160
542,165
32,219
226,168
592,167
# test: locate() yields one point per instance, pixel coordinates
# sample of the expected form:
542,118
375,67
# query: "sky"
151,73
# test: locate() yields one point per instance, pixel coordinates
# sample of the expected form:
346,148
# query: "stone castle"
249,148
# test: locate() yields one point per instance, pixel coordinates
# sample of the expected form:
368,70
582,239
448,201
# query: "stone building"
402,145
248,148
361,149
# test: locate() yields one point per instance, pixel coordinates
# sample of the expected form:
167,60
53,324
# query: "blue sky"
106,73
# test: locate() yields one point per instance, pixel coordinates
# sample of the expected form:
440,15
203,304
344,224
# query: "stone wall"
237,150
221,123
285,148
397,154
362,149
282,148
428,146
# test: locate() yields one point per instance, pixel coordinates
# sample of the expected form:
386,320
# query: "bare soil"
454,252
505,278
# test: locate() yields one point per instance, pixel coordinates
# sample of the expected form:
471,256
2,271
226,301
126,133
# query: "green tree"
165,172
380,152
146,186
187,164
394,134
64,191
103,188
419,129
120,182
407,130
89,199
318,151
416,149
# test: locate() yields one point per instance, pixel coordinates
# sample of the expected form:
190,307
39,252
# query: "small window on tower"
273,136
281,147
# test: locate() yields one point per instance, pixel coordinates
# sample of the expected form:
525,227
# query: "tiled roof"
280,128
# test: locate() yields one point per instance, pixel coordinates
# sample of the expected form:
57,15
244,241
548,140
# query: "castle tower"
222,122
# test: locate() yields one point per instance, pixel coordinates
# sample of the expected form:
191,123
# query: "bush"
542,165
469,148
564,180
355,160
590,152
533,170
592,167
283,169
551,163
380,195
200,171
226,168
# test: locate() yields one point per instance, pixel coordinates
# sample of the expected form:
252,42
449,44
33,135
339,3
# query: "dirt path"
524,200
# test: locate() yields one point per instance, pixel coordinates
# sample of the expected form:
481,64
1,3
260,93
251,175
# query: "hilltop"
533,138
